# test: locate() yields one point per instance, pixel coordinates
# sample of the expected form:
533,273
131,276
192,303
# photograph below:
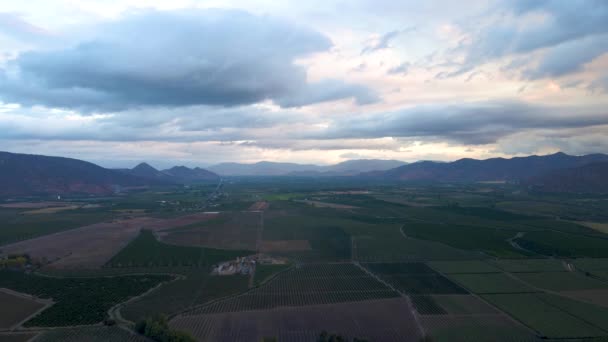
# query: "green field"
562,281
464,266
16,226
146,250
540,313
78,300
490,283
194,288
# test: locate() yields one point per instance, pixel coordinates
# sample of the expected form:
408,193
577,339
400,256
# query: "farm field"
77,300
388,320
229,230
562,281
17,337
384,262
146,250
194,288
94,334
414,278
491,283
17,308
305,285
549,316
92,246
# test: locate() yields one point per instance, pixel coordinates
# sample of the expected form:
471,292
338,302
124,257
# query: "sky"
195,83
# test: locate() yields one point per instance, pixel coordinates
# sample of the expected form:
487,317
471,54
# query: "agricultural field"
552,317
384,262
77,301
491,283
414,278
17,307
389,320
233,230
146,250
305,285
193,288
93,334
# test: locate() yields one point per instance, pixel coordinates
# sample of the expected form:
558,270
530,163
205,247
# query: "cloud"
401,69
14,26
469,124
176,58
384,40
568,58
570,34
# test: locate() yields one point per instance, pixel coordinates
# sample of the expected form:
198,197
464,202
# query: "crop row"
77,300
257,301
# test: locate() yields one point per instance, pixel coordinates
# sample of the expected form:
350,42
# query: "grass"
562,281
77,300
147,251
463,266
490,283
548,320
529,265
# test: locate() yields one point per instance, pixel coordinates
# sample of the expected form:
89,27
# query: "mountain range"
494,169
265,168
24,175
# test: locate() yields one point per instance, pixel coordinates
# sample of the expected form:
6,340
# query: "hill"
265,168
25,174
144,170
182,174
591,178
494,169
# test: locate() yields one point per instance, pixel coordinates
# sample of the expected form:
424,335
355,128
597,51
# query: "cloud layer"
177,58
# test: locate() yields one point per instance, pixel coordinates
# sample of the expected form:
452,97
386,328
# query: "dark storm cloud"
179,58
573,32
475,124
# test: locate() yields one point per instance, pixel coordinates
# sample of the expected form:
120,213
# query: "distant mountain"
184,174
495,169
144,170
590,178
25,174
265,168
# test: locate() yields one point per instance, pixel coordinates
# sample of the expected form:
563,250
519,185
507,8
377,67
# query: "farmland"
387,263
77,300
146,250
17,308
